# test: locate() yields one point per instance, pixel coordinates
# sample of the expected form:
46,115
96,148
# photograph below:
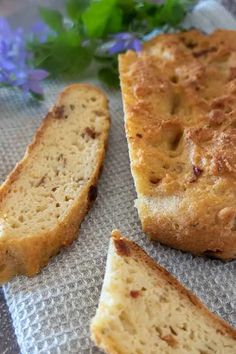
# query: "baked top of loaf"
45,198
179,99
143,309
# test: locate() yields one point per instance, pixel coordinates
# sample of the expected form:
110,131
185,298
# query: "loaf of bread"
45,198
179,98
144,310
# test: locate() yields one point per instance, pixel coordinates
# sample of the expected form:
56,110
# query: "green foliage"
75,8
92,22
52,18
99,15
172,12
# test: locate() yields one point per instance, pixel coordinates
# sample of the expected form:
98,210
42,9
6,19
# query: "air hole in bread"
40,208
176,141
174,79
127,325
228,109
175,104
93,99
158,330
21,218
57,205
189,42
176,226
154,180
15,225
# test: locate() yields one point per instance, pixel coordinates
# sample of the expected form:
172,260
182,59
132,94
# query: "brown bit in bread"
122,248
170,340
90,132
72,107
197,171
59,112
41,181
134,294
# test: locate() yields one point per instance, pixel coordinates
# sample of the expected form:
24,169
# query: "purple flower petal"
20,78
41,31
38,74
124,41
118,47
136,45
5,29
35,87
123,36
7,65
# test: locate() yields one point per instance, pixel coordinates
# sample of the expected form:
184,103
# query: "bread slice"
179,99
45,198
144,310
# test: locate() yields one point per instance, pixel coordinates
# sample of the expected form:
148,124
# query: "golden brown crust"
27,255
140,255
179,99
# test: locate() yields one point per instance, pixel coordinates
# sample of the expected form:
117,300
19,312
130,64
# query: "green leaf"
114,23
109,76
75,8
52,18
70,38
96,17
171,12
126,4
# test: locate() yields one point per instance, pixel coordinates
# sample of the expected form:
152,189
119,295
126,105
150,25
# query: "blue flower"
32,81
124,41
41,31
14,61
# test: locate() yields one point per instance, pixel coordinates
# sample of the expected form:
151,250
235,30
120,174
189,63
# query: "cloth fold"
51,312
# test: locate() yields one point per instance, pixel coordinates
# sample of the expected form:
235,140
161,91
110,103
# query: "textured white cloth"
52,311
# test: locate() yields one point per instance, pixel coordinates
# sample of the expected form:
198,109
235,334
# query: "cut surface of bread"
45,198
143,309
179,98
